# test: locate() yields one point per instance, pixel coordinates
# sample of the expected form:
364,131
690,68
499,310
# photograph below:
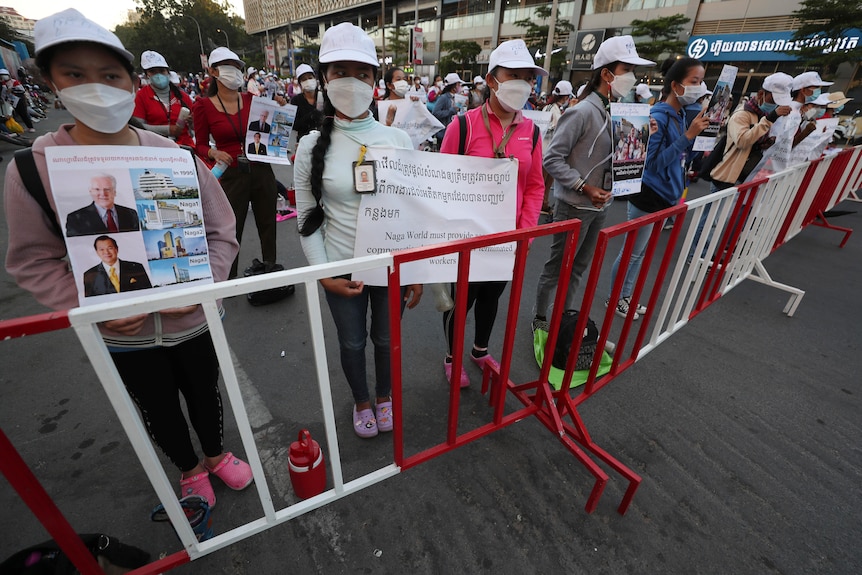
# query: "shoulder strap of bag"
462,134
33,184
535,136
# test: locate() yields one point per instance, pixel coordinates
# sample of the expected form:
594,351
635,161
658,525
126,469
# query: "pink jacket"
531,183
35,256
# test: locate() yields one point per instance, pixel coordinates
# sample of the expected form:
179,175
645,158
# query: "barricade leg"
822,222
759,274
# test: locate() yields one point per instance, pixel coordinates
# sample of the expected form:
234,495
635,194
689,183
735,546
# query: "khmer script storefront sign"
763,46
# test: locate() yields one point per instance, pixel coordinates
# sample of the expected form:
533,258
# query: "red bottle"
306,466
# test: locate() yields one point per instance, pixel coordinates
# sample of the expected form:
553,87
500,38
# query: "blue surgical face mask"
767,108
837,110
813,96
160,81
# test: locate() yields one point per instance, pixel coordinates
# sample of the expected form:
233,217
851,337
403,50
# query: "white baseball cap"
808,79
643,91
619,49
175,78
478,80
452,78
4,71
251,70
303,69
71,26
222,54
515,55
151,59
778,85
580,90
563,88
346,42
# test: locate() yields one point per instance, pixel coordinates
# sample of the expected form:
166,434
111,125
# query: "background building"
749,34
22,25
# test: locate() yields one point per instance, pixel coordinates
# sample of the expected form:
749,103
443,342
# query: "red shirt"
152,111
228,130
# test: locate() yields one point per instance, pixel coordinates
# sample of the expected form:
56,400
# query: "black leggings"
486,296
154,379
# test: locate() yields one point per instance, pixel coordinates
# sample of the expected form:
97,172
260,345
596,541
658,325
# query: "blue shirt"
667,151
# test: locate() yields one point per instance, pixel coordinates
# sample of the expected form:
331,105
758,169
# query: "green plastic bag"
555,377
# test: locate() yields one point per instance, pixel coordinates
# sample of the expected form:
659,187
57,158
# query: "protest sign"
814,143
268,137
133,219
540,118
718,109
412,117
425,198
631,133
779,156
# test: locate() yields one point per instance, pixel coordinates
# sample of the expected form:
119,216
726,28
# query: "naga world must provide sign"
424,199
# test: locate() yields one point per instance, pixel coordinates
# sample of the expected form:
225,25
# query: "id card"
364,180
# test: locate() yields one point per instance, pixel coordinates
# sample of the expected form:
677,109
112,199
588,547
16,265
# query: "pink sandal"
235,472
198,484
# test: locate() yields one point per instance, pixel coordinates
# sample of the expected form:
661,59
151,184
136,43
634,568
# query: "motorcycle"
849,131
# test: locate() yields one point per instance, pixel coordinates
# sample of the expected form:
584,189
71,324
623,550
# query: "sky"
108,13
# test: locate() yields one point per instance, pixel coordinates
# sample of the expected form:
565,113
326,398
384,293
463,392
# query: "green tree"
663,33
536,34
397,45
170,27
460,55
824,22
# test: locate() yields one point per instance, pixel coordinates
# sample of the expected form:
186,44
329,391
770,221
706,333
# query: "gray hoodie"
582,148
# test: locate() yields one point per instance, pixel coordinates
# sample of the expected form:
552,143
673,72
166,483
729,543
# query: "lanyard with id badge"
364,173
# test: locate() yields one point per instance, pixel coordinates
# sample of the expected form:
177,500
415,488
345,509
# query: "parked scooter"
848,131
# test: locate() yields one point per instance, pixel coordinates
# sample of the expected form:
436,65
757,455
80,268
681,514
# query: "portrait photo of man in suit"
256,147
113,275
260,125
102,215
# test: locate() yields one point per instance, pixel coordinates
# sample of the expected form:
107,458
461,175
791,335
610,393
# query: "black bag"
713,159
47,558
270,295
567,335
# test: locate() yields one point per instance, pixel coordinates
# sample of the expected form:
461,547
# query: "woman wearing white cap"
444,105
579,160
160,103
223,114
88,67
308,117
498,129
806,88
664,175
558,101
327,207
477,93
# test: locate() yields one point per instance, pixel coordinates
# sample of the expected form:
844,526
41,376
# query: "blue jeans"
715,187
350,316
638,250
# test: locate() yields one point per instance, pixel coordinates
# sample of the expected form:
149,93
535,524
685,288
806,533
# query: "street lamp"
200,39
227,42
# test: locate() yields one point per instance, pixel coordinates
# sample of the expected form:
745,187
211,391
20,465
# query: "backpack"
567,335
268,296
713,159
48,559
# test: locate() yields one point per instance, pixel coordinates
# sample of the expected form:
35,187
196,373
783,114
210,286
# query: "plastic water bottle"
442,299
219,168
184,115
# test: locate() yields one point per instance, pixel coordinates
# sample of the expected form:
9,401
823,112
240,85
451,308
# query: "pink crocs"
481,361
235,473
198,484
464,380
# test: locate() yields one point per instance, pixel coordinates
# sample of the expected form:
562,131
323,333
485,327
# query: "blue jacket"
666,152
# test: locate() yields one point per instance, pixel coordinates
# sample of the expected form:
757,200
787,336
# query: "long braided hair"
314,219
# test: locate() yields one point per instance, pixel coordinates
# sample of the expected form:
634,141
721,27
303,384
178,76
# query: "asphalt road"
745,427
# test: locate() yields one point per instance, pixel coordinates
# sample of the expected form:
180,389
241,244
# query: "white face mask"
691,95
400,87
230,77
439,84
513,94
350,96
309,85
623,84
100,107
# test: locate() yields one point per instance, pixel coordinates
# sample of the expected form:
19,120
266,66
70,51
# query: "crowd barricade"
747,224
